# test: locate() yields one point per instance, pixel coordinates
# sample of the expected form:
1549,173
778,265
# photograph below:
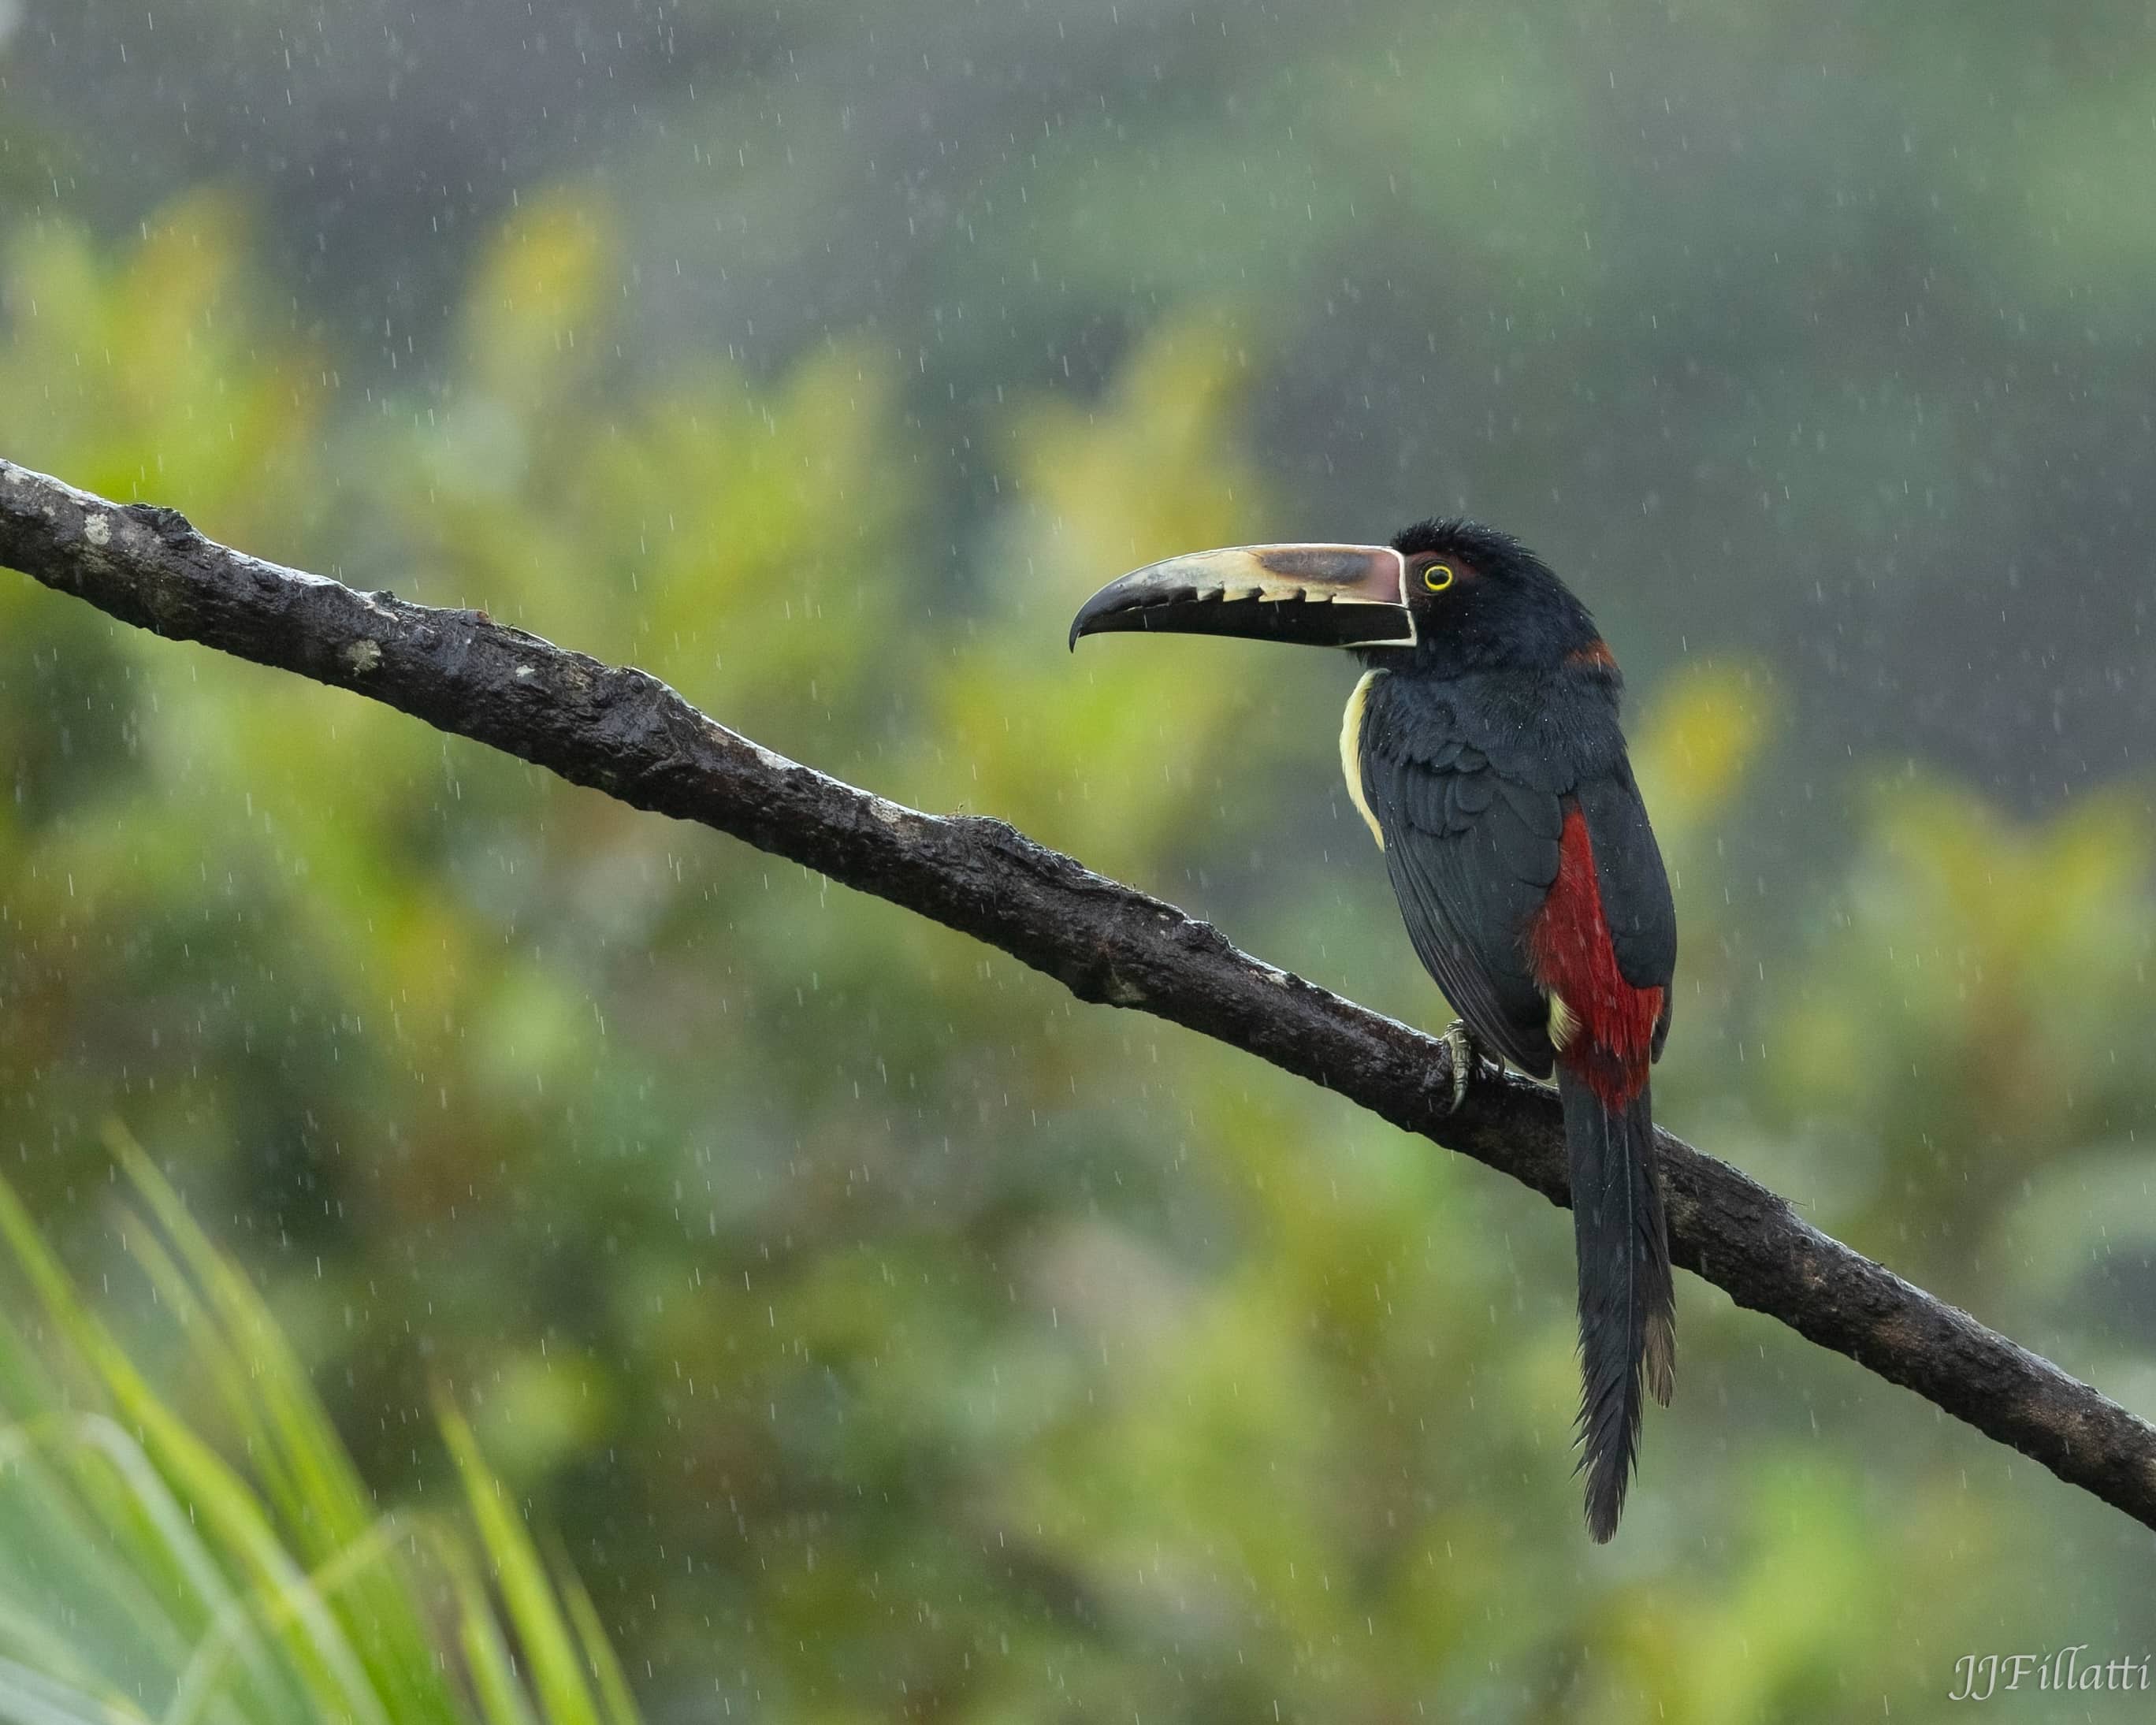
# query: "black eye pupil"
1437,577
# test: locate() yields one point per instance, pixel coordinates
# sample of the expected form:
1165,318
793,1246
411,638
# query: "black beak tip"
1093,616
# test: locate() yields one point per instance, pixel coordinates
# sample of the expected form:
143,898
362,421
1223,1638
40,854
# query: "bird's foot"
1467,1058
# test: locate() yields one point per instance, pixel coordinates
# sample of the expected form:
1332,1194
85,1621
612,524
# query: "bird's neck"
1587,672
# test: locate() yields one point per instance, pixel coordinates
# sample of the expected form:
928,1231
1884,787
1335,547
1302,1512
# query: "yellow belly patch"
1351,754
1563,1021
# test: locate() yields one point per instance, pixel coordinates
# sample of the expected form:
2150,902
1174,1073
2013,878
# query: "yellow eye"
1437,577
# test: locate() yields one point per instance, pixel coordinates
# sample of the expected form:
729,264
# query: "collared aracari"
1482,748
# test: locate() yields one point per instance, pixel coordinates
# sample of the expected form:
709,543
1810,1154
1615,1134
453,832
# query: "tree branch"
622,731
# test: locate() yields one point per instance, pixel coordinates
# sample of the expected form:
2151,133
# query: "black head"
1482,601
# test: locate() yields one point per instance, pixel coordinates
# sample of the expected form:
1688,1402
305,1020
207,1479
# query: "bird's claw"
1467,1057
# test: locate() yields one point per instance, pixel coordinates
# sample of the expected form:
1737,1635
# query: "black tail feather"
1627,1298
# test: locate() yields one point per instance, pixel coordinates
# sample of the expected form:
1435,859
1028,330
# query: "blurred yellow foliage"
1154,468
1110,757
155,377
1984,978
1696,741
533,315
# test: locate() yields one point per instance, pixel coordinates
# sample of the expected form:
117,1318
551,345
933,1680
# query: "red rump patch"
1569,951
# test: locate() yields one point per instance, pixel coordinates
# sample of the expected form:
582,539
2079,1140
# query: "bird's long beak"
1321,595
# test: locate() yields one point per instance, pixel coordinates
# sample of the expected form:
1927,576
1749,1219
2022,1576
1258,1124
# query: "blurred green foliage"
888,1337
142,1575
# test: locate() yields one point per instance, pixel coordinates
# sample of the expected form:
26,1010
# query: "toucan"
1481,746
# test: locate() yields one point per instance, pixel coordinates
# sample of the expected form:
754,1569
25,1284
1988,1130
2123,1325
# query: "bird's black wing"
1472,850
1634,886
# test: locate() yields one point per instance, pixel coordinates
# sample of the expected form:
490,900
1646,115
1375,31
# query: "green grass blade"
28,1698
59,1541
177,1536
324,1506
137,1563
615,1698
29,1634
549,1648
330,1672
197,1689
487,1657
270,1388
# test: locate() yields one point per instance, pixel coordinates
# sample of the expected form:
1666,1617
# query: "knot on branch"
1195,935
1094,976
168,524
